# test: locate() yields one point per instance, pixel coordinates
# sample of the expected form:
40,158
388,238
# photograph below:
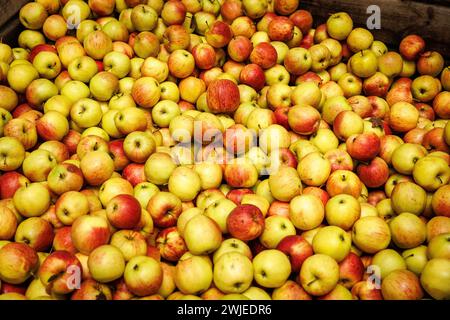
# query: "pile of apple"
220,149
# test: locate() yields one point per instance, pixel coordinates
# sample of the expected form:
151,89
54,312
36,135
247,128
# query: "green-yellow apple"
366,230
332,241
12,153
285,184
407,230
276,228
364,63
106,263
143,275
415,259
306,212
271,268
388,260
319,274
343,211
314,169
405,157
232,245
32,200
202,227
435,278
233,272
439,247
408,197
339,25
219,211
431,173
256,293
38,165
193,275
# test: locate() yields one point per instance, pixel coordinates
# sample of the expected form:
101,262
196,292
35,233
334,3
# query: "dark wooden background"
428,18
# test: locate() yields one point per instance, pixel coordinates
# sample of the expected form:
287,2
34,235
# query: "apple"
364,64
265,272
264,55
365,290
90,232
297,249
411,47
193,274
35,232
343,211
332,241
364,146
374,174
344,182
415,259
143,17
339,25
138,146
8,223
434,278
366,229
440,104
92,290
436,226
233,272
170,244
438,248
165,208
319,274
304,119
97,167
303,20
388,261
276,228
408,197
430,63
123,211
145,45
424,88
281,29
173,12
33,15
143,275
204,55
437,173
223,96
106,263
242,230
440,201
407,230
401,285
203,227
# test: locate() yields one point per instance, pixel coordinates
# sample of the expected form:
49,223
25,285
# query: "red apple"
236,195
297,249
264,55
281,29
223,96
170,244
351,270
10,182
165,208
373,174
245,222
412,46
123,211
281,116
303,20
57,272
63,240
204,56
239,48
219,34
134,173
253,75
364,146
279,208
118,154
